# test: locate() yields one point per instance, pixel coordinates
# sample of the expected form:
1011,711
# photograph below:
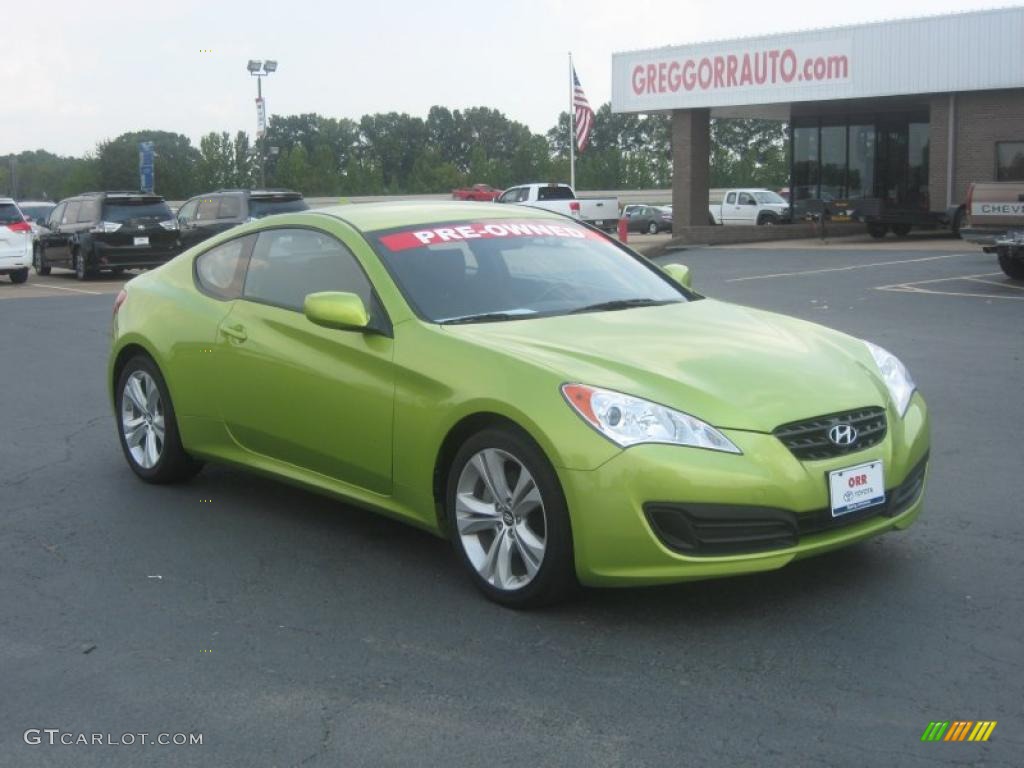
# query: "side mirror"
680,273
336,309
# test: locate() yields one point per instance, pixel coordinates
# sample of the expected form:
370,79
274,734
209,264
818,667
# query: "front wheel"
767,221
509,521
1013,267
82,272
147,426
652,228
19,275
901,230
39,261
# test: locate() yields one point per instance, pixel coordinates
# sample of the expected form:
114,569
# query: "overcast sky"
82,72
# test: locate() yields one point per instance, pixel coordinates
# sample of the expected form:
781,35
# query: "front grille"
809,439
706,530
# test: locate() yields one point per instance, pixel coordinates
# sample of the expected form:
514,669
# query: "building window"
862,161
805,163
833,162
1010,161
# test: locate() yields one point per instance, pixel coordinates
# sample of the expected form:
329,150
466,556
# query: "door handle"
236,332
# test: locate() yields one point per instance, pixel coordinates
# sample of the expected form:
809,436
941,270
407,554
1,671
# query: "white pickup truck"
750,207
602,212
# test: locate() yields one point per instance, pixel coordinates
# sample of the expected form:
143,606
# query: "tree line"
398,153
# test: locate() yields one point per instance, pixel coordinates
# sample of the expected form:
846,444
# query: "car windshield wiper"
485,317
623,304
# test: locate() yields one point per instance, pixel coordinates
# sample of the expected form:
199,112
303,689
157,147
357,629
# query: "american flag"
584,114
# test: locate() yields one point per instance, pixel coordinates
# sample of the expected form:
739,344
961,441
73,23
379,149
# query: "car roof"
370,217
36,202
7,200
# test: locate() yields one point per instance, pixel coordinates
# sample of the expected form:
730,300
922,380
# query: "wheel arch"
457,434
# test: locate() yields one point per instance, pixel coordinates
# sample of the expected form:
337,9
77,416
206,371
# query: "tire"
652,228
767,221
19,276
901,230
81,271
534,536
1013,267
152,459
877,231
39,261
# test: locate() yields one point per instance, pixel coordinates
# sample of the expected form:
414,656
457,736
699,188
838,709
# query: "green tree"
174,166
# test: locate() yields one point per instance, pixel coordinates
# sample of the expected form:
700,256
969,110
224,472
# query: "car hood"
732,366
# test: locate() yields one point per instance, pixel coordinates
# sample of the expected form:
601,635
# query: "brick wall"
982,119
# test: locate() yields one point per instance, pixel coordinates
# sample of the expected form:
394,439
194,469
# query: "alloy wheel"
501,521
142,419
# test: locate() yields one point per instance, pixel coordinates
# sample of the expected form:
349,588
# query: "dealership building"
888,121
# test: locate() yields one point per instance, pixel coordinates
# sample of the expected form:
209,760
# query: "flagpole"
572,127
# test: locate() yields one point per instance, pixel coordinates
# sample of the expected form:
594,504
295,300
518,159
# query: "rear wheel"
147,426
652,228
19,275
1012,265
509,521
877,231
901,230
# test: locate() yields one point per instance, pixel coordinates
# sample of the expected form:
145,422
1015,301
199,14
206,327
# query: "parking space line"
1002,285
63,288
846,268
913,287
939,280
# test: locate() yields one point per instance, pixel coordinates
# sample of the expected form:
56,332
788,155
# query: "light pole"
254,66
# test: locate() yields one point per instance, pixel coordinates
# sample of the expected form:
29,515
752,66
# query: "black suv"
108,230
205,215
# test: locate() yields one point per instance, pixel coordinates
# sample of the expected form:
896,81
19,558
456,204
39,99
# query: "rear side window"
260,207
9,214
555,193
746,199
208,209
730,198
141,209
230,207
87,212
220,270
289,264
71,212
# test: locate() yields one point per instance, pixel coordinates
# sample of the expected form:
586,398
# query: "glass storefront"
885,160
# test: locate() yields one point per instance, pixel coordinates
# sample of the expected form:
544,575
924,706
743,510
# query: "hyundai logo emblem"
843,435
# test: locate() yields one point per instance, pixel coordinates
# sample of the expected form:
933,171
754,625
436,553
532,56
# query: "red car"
482,192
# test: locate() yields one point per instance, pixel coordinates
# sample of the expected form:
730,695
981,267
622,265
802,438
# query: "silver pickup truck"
602,212
995,220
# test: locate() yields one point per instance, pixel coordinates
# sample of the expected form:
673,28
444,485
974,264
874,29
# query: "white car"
602,212
15,241
750,207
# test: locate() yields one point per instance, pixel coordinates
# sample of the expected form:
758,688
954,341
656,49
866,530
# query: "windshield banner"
484,230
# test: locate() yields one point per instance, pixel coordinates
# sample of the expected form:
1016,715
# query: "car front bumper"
616,544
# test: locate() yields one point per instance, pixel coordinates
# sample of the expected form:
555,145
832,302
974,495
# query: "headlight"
627,420
170,224
895,375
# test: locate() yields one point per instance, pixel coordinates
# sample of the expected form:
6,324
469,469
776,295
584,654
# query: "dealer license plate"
142,241
856,488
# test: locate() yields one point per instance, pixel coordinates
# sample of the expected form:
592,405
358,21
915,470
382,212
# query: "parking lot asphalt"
290,630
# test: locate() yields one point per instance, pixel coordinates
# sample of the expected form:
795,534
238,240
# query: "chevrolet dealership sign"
930,55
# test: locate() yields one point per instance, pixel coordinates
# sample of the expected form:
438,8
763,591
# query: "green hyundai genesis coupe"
562,409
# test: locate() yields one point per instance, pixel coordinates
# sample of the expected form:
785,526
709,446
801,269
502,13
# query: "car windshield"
9,214
38,212
258,208
480,271
769,198
131,210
